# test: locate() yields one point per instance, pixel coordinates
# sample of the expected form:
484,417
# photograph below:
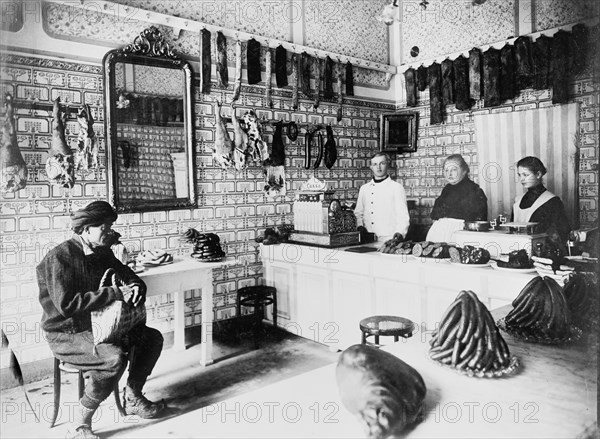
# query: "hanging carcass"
14,170
60,168
86,155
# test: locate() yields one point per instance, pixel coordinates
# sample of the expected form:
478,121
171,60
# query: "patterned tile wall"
231,203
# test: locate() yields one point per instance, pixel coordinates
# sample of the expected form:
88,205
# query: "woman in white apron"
538,204
461,200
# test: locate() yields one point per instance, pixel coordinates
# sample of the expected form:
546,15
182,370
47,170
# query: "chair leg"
364,338
275,311
258,316
56,391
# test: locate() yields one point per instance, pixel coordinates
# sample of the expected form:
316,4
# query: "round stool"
257,297
377,326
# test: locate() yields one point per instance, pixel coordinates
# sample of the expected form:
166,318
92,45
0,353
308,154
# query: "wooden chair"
257,297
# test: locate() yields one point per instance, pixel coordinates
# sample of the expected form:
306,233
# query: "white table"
186,274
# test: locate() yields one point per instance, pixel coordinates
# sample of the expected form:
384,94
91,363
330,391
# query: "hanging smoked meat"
223,146
422,78
461,83
328,79
318,71
523,67
278,148
13,168
541,56
240,142
411,87
561,45
304,70
349,79
330,148
253,61
475,74
580,48
268,91
435,94
205,61
222,74
491,76
237,87
340,98
281,66
507,73
447,82
59,166
86,155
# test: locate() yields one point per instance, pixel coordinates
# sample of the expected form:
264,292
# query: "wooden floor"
178,379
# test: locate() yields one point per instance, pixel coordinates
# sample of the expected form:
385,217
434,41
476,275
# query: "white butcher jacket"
381,208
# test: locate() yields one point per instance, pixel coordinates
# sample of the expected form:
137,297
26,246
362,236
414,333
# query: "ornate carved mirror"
149,131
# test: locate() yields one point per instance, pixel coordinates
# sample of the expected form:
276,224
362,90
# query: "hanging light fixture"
388,15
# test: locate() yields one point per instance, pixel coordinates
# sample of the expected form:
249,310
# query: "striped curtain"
502,139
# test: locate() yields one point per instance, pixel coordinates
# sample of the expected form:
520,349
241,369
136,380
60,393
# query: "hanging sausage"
320,153
253,61
281,66
318,72
237,88
330,148
411,87
222,74
13,169
491,74
205,61
349,79
435,94
268,91
461,83
541,56
475,74
294,82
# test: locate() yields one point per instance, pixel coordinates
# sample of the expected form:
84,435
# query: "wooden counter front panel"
324,293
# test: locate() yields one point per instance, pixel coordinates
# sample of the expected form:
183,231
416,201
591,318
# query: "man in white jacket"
381,207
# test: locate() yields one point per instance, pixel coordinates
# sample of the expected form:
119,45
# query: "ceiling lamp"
388,15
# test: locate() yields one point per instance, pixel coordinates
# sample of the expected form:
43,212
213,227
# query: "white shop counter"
323,293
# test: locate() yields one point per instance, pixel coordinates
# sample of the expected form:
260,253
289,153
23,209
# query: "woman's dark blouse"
551,215
464,200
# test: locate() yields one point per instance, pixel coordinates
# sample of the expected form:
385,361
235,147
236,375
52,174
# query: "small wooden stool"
257,297
61,366
377,326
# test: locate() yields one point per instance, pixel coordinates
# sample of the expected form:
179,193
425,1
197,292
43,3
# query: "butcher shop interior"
299,218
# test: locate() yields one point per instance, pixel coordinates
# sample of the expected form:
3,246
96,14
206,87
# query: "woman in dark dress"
538,204
461,200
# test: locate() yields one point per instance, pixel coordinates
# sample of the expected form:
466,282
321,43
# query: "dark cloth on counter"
422,80
551,215
435,94
253,61
475,73
561,68
541,56
411,87
491,78
507,73
461,84
523,64
464,200
328,79
205,61
447,82
222,73
304,70
281,66
349,79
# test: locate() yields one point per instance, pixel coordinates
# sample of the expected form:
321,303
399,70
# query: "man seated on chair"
69,279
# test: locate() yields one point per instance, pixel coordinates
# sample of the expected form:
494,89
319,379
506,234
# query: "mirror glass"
149,126
399,132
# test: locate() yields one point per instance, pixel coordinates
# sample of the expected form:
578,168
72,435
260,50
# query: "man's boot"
135,403
81,428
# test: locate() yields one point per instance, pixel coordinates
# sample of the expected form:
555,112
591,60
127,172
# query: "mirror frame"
392,145
148,48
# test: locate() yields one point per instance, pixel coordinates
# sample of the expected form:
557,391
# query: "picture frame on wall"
398,132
